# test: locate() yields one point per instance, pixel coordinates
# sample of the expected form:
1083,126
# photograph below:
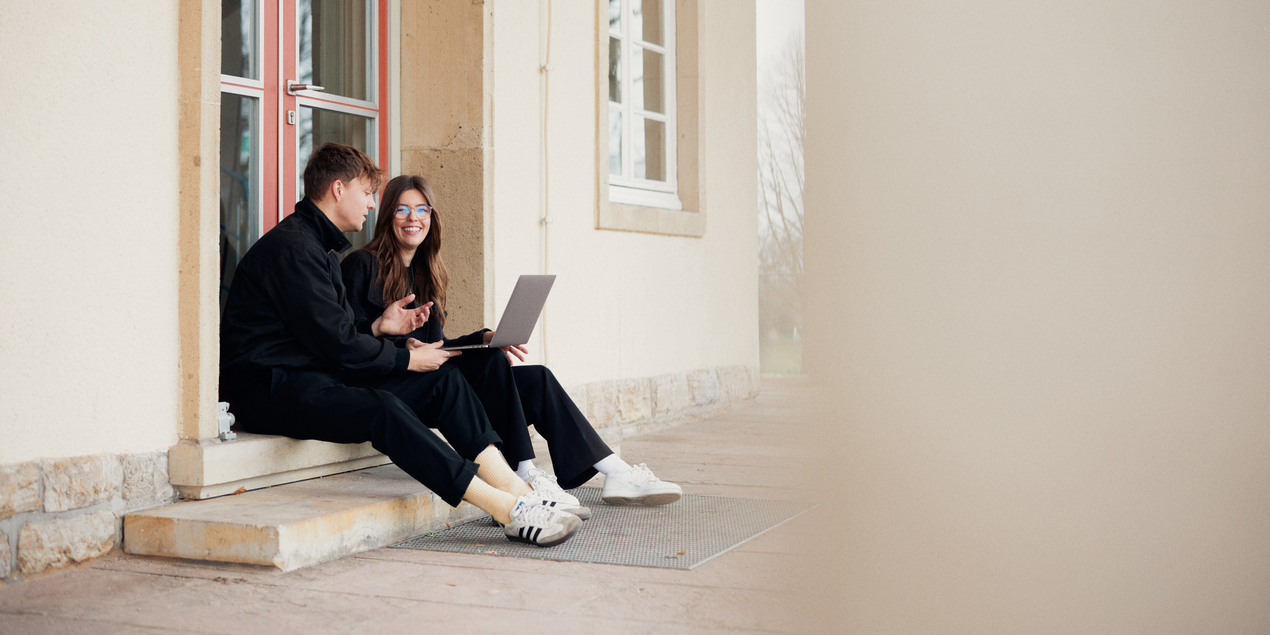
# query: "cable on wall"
544,208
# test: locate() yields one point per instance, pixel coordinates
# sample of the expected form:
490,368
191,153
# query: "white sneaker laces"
536,515
641,475
539,479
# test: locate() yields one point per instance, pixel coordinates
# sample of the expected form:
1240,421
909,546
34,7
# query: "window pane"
647,86
615,142
615,70
650,149
239,179
317,126
653,93
615,15
238,38
646,21
334,46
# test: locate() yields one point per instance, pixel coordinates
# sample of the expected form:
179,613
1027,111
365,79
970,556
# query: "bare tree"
781,133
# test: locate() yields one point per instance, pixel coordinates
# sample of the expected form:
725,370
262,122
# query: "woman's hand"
427,357
398,320
517,350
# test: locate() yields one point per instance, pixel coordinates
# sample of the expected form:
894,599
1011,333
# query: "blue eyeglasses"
403,211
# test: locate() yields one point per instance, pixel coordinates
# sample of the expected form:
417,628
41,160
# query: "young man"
294,362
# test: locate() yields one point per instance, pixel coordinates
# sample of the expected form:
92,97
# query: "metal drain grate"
683,535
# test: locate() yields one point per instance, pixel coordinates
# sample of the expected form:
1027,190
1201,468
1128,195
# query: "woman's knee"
493,359
530,376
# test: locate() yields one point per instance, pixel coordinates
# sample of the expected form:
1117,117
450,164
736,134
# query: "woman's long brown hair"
431,277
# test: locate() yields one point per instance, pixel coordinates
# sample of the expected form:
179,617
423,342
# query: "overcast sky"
778,21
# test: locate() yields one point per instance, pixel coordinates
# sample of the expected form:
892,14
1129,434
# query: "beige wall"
1042,232
625,304
88,291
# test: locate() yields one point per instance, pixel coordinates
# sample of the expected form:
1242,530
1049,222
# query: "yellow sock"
491,500
493,469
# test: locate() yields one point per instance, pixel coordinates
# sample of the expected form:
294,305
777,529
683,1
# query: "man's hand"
427,357
398,320
517,350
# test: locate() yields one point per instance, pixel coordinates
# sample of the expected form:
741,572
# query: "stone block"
670,394
634,400
602,403
145,478
19,489
57,543
737,383
80,481
5,567
704,386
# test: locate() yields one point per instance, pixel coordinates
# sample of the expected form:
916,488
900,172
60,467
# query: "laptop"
521,313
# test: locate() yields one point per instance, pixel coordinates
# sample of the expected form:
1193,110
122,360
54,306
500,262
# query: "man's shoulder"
287,241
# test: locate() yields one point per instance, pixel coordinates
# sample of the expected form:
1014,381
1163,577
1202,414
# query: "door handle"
293,86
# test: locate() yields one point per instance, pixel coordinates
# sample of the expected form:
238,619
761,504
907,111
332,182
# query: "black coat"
366,296
287,306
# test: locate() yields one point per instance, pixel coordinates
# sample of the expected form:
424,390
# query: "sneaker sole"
572,529
650,500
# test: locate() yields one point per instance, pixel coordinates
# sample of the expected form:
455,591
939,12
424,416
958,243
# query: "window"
641,103
337,51
650,152
242,97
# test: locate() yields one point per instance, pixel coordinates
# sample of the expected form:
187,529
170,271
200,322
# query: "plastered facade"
89,319
625,304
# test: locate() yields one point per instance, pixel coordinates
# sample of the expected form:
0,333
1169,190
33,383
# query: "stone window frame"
689,148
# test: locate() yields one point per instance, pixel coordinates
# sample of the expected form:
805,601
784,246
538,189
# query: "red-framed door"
286,21
267,130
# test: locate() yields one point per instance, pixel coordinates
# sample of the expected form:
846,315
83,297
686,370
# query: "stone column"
198,60
446,91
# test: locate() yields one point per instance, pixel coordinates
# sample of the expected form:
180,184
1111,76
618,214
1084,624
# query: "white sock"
522,470
612,465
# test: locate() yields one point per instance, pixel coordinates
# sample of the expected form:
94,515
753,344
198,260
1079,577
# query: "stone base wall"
55,512
623,408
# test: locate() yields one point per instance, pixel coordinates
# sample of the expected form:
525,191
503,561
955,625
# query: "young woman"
404,258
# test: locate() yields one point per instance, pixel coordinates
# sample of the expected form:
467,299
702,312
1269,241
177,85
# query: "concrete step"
304,523
295,525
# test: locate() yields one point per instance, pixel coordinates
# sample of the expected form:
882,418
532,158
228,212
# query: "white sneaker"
545,485
638,486
541,525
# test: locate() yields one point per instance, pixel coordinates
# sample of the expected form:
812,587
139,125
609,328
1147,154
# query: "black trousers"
393,413
516,397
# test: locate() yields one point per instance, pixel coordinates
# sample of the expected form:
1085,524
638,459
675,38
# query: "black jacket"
366,296
287,306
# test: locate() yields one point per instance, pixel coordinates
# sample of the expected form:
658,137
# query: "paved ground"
744,453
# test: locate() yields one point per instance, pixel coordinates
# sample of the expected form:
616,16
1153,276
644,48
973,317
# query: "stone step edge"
293,545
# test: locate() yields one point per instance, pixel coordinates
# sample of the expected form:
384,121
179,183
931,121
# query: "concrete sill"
209,467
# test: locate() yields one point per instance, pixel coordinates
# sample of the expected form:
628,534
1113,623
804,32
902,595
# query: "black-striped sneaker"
545,485
540,524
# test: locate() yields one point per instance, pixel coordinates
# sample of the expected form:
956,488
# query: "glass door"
294,74
336,50
245,97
